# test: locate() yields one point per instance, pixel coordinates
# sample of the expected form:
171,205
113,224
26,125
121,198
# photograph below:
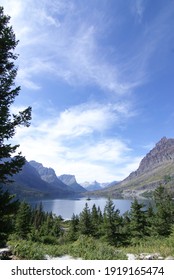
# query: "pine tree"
164,215
38,216
96,218
8,122
73,230
137,224
23,220
85,222
8,92
8,208
150,215
111,224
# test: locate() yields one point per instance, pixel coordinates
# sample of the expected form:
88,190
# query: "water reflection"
66,207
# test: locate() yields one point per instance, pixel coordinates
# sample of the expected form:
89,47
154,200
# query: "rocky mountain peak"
47,174
68,179
162,153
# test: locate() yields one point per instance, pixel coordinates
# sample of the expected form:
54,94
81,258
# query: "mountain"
93,186
29,184
156,168
48,175
35,180
70,180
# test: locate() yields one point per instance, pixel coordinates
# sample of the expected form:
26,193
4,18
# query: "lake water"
66,207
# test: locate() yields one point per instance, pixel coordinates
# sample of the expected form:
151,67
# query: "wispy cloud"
81,120
65,40
58,39
139,9
67,143
55,39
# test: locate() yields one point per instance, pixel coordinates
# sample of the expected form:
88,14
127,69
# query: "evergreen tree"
38,216
96,218
150,215
23,220
8,208
125,228
73,228
8,92
8,122
85,222
164,215
111,224
137,224
56,228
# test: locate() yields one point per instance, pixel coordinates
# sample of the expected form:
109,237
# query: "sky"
99,76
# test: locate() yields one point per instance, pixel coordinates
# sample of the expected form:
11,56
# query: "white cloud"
69,50
139,9
67,143
81,120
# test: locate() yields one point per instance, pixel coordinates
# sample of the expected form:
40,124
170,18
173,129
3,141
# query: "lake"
66,207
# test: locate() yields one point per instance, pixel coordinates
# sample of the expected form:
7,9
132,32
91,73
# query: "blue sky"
99,75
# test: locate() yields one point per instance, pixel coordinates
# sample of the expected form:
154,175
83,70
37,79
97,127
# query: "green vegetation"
8,92
33,233
8,123
93,234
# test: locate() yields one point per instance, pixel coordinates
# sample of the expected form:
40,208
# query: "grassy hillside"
142,184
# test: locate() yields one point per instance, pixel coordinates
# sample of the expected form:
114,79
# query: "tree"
85,222
111,224
137,224
164,215
23,220
38,216
8,208
8,123
8,92
73,228
96,219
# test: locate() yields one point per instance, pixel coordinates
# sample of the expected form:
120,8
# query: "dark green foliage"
164,216
8,209
73,231
111,223
94,235
37,216
150,216
8,93
85,221
137,225
23,220
8,122
97,220
88,248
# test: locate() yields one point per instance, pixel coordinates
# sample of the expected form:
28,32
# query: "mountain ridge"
156,168
70,180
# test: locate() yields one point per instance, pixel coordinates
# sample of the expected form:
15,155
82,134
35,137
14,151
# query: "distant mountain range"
35,180
156,168
95,186
70,181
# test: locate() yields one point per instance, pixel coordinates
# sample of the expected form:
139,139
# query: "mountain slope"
34,180
156,168
70,180
93,186
48,175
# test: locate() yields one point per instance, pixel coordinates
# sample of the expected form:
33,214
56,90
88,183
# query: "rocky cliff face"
93,186
70,180
48,175
161,154
156,168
